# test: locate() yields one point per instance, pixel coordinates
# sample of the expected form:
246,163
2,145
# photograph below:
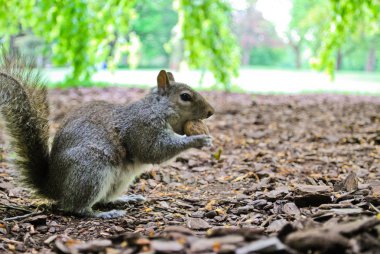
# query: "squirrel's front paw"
202,141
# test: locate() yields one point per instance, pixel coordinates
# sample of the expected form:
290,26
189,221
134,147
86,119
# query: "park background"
295,173
260,46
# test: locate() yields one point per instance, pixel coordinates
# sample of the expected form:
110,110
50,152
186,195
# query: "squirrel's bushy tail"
23,104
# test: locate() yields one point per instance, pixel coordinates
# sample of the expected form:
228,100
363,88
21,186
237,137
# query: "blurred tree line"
335,35
202,34
325,34
351,38
90,34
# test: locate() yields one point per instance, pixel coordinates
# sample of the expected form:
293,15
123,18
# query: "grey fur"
24,106
100,147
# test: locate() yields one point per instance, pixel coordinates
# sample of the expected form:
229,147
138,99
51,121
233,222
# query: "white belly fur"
120,178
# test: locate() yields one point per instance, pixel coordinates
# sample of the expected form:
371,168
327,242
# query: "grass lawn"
255,80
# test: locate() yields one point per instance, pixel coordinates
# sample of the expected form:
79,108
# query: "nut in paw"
195,127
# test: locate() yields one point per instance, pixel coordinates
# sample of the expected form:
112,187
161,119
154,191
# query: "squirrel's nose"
210,112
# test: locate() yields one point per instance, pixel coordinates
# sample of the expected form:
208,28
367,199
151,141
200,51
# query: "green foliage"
346,19
267,56
338,34
208,41
308,20
153,26
311,19
81,33
85,32
7,24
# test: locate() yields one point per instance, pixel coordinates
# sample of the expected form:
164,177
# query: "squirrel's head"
189,104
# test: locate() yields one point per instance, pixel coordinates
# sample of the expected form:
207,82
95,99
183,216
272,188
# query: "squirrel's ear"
162,81
170,76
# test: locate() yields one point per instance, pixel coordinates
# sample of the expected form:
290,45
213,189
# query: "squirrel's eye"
185,97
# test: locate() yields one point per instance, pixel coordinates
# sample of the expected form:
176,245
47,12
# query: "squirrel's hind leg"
124,179
85,186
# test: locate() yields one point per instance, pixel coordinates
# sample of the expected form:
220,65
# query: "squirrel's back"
119,130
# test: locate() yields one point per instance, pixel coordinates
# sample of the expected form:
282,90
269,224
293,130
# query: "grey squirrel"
100,147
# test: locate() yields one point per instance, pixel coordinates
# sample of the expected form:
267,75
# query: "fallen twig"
15,208
374,208
9,240
21,216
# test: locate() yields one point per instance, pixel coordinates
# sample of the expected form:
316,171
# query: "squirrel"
100,147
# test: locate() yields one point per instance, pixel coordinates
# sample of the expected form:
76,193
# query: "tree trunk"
339,60
12,43
245,56
176,56
371,59
298,59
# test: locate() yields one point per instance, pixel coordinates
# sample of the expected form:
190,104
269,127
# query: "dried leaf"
218,153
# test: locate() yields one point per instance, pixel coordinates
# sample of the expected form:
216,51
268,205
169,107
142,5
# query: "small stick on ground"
9,241
22,216
374,208
15,208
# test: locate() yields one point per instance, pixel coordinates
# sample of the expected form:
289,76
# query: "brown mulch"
287,174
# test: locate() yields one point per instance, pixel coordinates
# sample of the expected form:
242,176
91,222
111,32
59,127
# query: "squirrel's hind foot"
110,214
89,213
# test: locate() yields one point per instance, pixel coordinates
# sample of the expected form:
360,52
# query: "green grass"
267,79
360,75
339,92
66,85
355,75
308,92
234,88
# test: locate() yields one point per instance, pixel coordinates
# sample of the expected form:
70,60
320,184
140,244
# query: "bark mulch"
287,174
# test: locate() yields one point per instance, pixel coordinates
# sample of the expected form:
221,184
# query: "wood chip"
197,224
203,245
313,188
351,182
276,225
166,246
291,209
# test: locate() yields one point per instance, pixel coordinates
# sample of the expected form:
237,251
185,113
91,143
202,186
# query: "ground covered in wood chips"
287,174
